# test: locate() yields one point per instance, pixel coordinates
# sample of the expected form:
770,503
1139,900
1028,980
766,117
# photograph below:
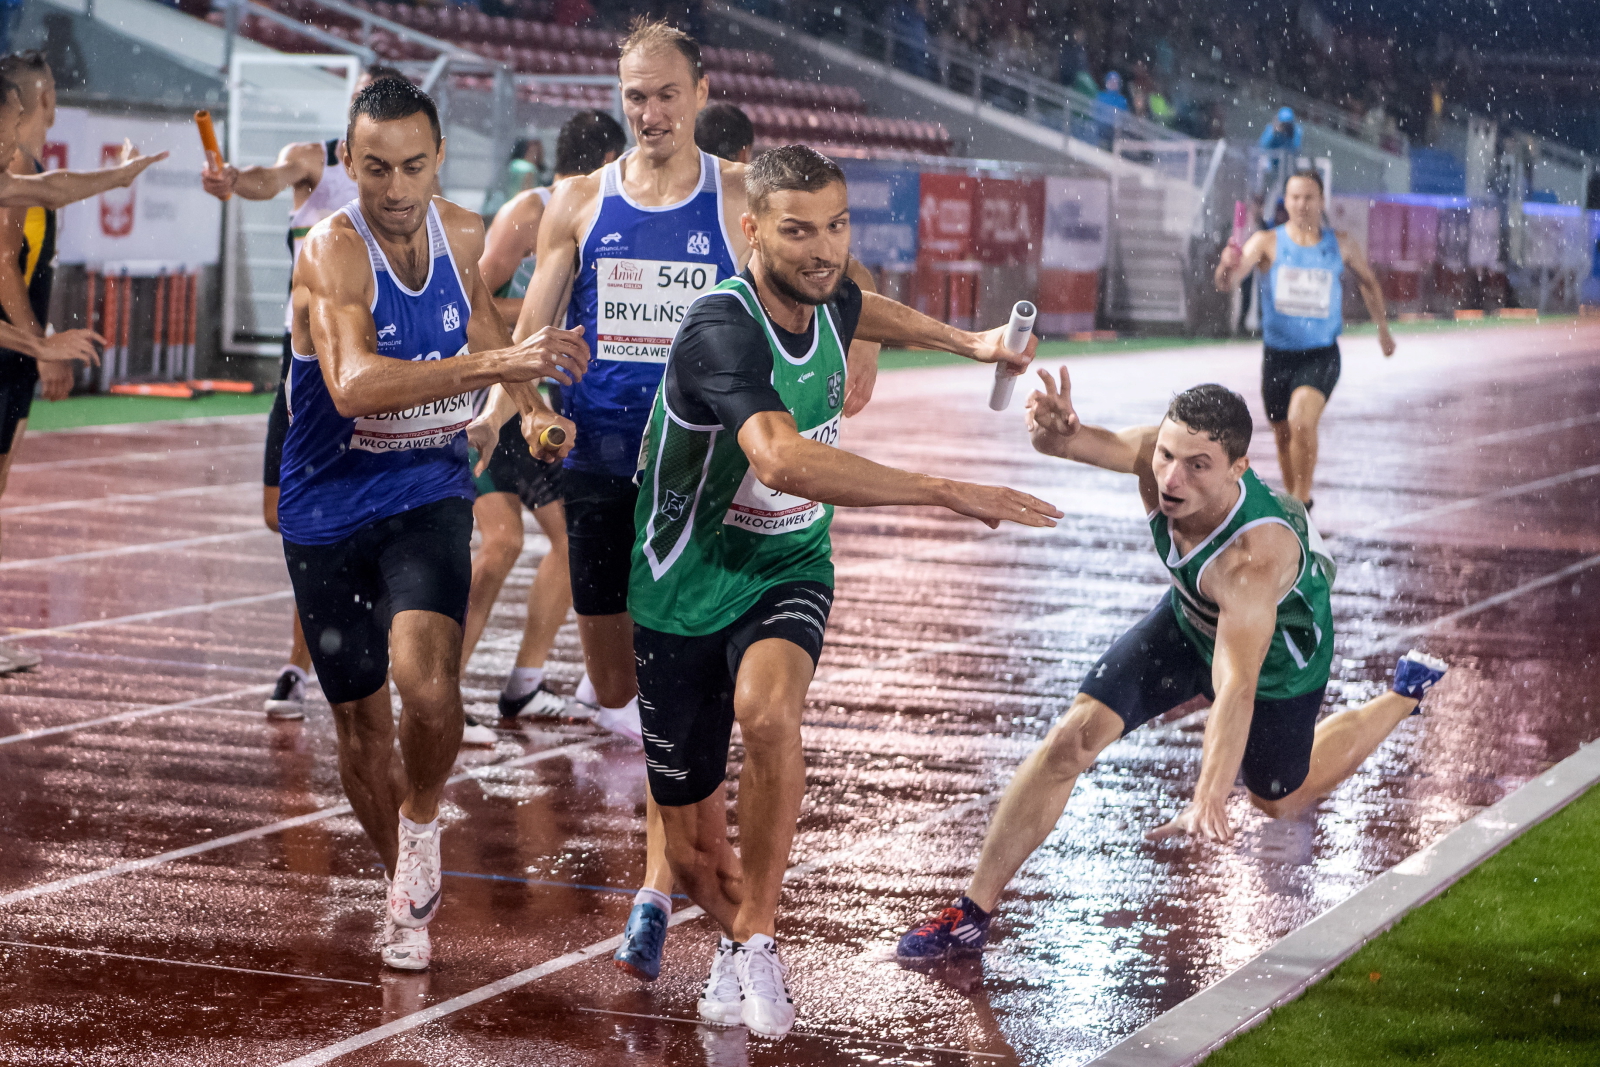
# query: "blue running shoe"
958,930
640,951
1415,674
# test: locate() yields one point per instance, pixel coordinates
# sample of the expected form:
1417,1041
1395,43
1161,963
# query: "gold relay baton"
553,437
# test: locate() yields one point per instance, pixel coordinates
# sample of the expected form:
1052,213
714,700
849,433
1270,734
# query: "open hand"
55,381
1206,819
994,504
133,164
483,439
1050,418
71,346
560,355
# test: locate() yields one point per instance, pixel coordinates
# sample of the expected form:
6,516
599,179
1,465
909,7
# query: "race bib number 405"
759,508
641,303
1305,292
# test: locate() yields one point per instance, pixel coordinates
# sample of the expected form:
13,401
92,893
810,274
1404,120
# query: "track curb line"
1190,1032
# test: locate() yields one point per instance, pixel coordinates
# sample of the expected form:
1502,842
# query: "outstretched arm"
332,282
1236,264
59,188
1246,583
790,463
1355,258
1057,431
298,164
892,323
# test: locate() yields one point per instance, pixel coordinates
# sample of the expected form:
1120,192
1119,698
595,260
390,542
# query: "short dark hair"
1310,174
25,71
1219,413
646,34
585,140
391,99
724,130
792,167
378,72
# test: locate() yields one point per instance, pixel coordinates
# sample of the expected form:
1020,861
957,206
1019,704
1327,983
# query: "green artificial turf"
112,410
1502,970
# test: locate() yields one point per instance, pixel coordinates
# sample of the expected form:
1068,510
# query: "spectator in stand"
1109,103
1284,134
908,20
725,131
1075,58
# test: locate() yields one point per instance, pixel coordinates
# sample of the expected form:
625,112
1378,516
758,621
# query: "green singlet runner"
1301,654
712,538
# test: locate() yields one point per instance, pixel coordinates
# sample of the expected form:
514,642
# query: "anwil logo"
623,270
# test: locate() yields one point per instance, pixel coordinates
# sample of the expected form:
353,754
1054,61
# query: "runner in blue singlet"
1302,314
392,332
636,241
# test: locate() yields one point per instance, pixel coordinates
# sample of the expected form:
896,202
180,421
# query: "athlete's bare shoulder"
334,258
307,160
573,204
520,210
735,202
1264,558
1260,246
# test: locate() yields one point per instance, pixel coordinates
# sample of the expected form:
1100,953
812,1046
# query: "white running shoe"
719,1000
288,699
405,950
419,880
476,733
585,693
766,1006
623,721
17,658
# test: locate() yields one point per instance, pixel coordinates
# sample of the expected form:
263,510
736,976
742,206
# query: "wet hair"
389,100
792,167
724,130
1309,174
25,70
378,72
648,35
1219,413
585,140
8,89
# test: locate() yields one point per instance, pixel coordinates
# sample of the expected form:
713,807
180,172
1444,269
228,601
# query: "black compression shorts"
513,469
19,375
350,591
686,687
1284,370
277,423
1153,668
599,539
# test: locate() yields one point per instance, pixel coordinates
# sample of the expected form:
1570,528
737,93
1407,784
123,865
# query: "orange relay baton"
208,141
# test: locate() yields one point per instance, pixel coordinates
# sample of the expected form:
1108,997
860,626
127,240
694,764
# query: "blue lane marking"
558,885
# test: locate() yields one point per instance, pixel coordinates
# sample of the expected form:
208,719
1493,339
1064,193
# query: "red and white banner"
164,217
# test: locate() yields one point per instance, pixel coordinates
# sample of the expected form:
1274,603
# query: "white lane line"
127,498
1472,502
184,963
133,550
589,952
145,616
131,457
129,866
140,429
817,1034
1483,605
137,713
1521,433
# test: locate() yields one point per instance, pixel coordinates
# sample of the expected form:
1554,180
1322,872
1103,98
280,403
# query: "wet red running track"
183,885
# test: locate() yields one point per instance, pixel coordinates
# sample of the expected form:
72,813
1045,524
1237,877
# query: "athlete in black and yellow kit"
29,359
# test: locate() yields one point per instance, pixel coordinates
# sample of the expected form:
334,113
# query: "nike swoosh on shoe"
422,912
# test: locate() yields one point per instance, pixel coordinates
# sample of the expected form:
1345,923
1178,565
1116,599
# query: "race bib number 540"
641,303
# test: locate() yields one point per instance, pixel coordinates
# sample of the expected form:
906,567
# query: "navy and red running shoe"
958,930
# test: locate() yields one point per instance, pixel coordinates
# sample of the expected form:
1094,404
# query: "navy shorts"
686,687
1283,371
350,591
599,539
513,469
1153,668
19,375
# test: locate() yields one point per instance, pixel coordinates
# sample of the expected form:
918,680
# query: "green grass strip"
115,410
1494,972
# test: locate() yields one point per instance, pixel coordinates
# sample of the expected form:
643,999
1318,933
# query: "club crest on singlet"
642,302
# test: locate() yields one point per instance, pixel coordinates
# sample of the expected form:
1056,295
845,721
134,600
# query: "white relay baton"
1016,339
